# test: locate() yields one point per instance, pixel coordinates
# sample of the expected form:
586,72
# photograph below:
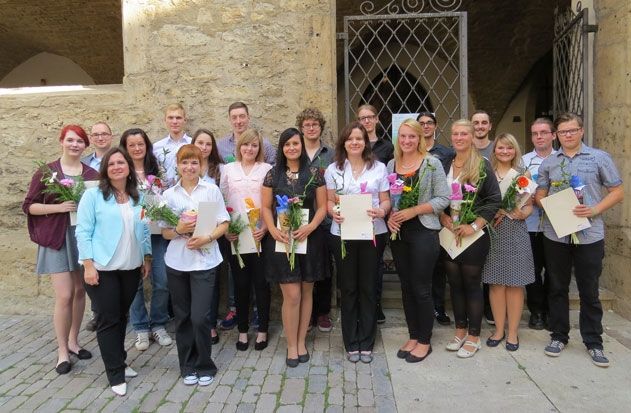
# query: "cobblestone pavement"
247,381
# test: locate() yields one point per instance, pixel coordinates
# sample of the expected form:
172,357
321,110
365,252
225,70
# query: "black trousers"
191,294
323,288
439,285
415,253
586,259
537,292
252,274
112,298
357,273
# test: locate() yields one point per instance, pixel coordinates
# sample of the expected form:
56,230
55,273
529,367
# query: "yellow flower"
407,188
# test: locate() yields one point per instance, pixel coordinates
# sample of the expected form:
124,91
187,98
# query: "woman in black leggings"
469,169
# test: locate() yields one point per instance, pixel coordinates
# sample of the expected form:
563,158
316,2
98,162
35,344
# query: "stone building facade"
279,56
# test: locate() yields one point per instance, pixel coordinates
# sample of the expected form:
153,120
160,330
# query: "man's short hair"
173,107
567,117
104,124
544,121
310,113
480,112
238,105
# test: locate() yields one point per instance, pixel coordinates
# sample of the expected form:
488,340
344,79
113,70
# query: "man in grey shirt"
482,126
587,171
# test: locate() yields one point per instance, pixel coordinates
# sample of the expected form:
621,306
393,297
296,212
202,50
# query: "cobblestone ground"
247,381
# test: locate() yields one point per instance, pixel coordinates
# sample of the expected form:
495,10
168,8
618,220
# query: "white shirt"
165,151
343,182
236,185
531,161
178,256
122,260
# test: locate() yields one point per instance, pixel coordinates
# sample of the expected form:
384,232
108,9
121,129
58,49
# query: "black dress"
308,267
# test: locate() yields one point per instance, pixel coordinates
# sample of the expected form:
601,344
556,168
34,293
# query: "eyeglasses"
311,126
367,118
428,123
100,135
568,132
537,134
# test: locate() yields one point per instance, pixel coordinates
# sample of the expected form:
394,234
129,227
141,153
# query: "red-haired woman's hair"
189,151
76,129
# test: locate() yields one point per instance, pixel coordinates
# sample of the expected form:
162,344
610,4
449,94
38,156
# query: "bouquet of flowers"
236,226
156,209
396,189
574,182
516,190
462,202
152,186
289,212
64,189
254,215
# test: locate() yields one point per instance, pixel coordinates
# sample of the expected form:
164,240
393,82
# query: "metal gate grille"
570,62
406,63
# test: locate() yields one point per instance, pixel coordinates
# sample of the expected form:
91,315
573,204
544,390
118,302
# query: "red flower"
230,210
522,182
409,175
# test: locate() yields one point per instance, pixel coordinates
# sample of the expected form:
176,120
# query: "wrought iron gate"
403,60
570,61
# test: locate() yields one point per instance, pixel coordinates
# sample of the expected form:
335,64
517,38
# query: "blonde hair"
249,135
510,140
418,130
470,172
173,107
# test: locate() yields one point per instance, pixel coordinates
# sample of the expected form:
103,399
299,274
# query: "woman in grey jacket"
415,225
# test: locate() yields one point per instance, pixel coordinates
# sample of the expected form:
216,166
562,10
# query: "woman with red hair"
50,228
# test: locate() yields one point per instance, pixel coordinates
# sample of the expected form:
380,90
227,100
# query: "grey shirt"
596,170
437,192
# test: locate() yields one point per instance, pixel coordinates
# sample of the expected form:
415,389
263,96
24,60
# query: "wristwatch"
474,226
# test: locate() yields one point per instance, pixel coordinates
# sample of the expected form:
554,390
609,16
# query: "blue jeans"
158,315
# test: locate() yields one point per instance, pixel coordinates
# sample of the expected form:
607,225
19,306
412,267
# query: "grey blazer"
437,192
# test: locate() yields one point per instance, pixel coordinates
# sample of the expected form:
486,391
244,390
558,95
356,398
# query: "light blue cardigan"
100,227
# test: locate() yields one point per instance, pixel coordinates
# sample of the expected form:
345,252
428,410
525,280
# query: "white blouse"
343,182
122,260
178,256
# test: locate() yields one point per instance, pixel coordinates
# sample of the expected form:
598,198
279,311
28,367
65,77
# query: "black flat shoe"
214,340
402,353
491,342
411,358
63,367
512,346
292,362
441,317
242,346
260,345
303,358
83,354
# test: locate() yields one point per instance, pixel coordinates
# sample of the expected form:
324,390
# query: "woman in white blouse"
356,171
115,249
191,263
240,180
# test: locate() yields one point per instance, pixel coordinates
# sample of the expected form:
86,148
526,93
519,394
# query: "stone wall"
276,55
612,123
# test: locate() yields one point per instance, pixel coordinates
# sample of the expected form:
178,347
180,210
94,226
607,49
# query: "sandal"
464,353
456,343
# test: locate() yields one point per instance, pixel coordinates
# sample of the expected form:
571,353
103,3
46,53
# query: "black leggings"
466,295
253,273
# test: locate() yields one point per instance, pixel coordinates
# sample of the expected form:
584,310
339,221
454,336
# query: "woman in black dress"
292,177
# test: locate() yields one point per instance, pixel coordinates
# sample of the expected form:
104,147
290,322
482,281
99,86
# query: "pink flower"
67,182
151,179
392,178
470,188
363,186
456,192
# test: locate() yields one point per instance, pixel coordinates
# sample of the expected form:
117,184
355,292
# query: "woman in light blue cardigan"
415,248
115,249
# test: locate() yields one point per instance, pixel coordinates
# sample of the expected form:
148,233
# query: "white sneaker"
120,389
142,341
190,380
205,380
129,372
162,337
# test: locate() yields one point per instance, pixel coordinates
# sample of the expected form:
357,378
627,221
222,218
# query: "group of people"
118,248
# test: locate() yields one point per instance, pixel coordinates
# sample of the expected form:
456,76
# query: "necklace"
121,197
291,174
456,165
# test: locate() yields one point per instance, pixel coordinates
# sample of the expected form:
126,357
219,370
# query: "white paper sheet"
357,224
559,207
206,219
448,242
247,245
301,247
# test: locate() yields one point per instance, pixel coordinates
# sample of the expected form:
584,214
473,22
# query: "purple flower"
470,188
392,178
363,186
67,182
456,192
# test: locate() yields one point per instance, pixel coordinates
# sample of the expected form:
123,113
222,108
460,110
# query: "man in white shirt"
482,126
542,135
101,137
166,149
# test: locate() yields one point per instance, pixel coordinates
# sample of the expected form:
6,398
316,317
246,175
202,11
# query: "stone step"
391,296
